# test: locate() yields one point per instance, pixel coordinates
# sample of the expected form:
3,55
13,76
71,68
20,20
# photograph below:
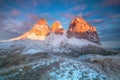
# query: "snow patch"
32,51
52,43
79,42
76,71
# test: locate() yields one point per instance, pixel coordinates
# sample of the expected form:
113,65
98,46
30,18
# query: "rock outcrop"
39,31
57,28
78,28
81,29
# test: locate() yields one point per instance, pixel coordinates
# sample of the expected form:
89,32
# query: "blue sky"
18,16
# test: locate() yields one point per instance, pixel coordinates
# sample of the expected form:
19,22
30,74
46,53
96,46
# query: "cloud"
27,25
9,29
35,2
34,17
68,15
12,28
1,2
2,17
108,3
79,7
87,14
70,2
111,44
97,21
115,16
110,33
111,2
47,16
15,12
40,2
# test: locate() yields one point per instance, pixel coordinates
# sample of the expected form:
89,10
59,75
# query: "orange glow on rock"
57,27
42,21
39,31
80,25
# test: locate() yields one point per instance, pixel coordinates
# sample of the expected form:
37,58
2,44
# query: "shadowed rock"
80,29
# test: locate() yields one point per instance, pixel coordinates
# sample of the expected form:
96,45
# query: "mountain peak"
80,25
57,28
39,31
42,21
56,25
78,19
79,28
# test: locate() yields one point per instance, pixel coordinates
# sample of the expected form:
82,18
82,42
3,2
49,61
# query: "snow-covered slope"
54,44
57,40
55,58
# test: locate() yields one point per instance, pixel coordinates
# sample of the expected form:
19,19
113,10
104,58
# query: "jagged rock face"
39,31
57,28
81,29
78,28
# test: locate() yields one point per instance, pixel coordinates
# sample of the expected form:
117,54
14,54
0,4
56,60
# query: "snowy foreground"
57,58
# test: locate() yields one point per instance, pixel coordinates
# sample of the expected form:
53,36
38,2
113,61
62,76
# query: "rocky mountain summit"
57,28
39,31
51,53
78,28
81,29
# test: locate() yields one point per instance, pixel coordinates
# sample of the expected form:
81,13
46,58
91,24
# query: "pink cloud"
105,3
33,16
26,25
112,2
79,7
79,15
115,16
2,16
71,2
68,15
39,2
87,14
35,2
1,2
47,16
97,21
15,12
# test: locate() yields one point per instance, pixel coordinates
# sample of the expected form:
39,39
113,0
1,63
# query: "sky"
19,16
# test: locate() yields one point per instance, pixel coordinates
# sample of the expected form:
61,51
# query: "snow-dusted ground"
76,71
55,67
110,65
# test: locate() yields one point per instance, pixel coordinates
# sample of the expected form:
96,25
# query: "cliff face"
57,28
39,31
80,29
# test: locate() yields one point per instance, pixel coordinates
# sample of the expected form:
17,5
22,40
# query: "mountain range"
51,53
78,28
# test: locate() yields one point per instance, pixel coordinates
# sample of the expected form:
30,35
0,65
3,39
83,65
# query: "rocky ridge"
78,28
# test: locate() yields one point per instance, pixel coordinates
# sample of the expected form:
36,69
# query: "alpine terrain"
51,53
